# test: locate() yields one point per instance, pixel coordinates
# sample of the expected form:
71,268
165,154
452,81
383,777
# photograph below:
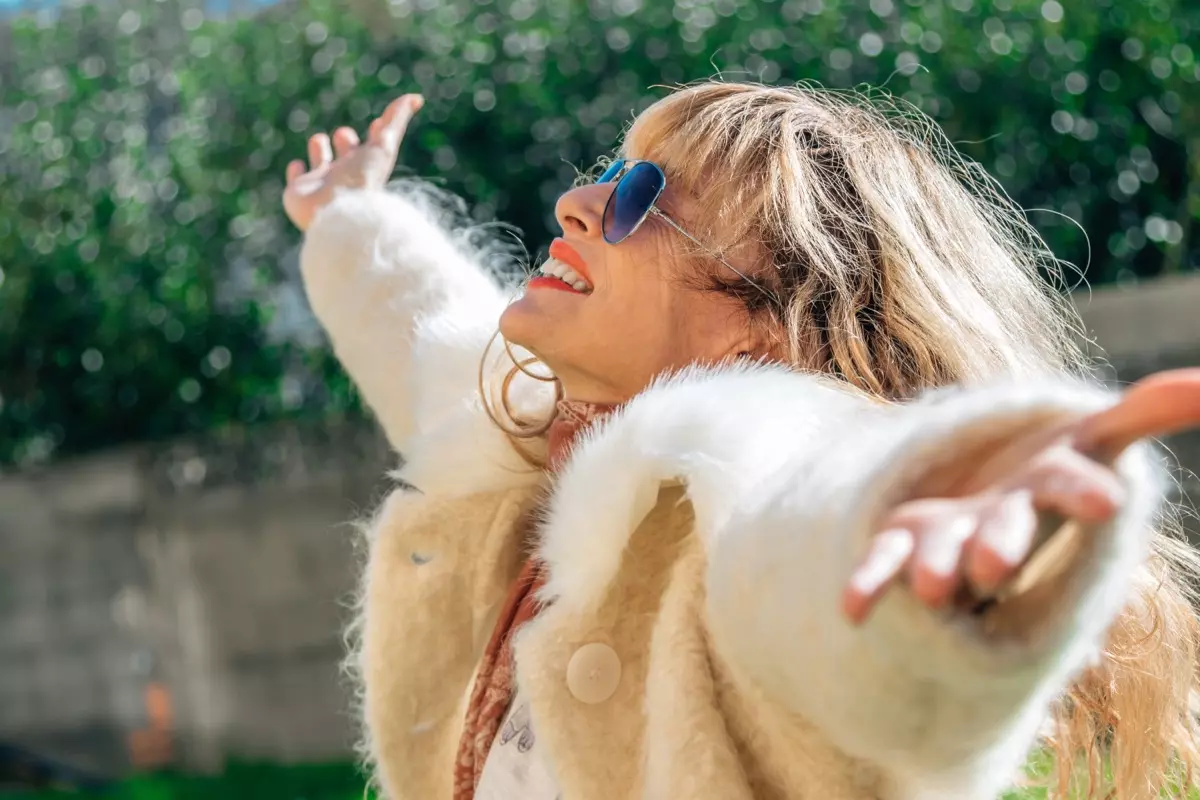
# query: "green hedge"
147,283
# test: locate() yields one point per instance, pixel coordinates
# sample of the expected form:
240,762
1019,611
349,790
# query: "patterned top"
513,768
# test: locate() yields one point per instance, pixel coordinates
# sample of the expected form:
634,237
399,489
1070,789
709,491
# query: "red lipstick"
545,282
563,252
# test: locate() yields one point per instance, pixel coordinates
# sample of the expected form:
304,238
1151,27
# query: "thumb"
1161,404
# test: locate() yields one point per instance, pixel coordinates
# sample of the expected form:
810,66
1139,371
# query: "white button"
593,673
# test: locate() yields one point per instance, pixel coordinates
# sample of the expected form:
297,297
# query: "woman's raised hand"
975,528
347,162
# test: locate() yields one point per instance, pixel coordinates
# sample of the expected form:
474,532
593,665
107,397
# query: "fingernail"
1010,533
416,102
889,550
1062,485
1082,494
941,548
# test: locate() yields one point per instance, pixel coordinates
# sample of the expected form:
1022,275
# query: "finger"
396,118
344,140
373,130
320,152
935,571
295,169
1002,542
884,563
1073,485
1161,404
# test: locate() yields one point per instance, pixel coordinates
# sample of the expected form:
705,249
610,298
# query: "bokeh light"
147,274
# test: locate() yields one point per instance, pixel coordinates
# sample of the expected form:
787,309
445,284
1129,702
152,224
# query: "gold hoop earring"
515,428
522,363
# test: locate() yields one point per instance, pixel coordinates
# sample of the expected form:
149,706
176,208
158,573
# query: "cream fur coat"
697,545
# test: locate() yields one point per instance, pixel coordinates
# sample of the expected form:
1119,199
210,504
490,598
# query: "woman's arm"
393,276
948,701
388,281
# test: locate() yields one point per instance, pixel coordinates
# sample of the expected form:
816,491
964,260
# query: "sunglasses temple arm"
654,210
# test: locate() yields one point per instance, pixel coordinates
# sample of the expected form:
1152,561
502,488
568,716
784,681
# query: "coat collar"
722,432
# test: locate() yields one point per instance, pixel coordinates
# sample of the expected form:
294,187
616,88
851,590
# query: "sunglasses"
639,185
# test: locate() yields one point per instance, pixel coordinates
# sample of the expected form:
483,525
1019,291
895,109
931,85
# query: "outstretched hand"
977,532
347,162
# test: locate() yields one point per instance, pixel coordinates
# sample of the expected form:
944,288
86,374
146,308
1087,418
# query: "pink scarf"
496,678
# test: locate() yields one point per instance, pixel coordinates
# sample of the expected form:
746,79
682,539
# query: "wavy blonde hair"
889,260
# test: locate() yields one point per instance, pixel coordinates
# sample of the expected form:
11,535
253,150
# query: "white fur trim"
720,431
410,309
385,278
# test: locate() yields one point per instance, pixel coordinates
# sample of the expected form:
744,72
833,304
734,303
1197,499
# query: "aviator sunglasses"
639,185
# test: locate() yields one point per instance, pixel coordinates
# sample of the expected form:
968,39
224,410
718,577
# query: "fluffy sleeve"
948,704
406,290
395,285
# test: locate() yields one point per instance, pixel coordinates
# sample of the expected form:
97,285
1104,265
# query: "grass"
242,781
238,782
254,782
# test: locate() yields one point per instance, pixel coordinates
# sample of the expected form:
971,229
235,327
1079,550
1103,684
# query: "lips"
563,252
563,270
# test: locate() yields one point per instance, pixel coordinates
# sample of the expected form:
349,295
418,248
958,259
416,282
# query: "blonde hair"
887,259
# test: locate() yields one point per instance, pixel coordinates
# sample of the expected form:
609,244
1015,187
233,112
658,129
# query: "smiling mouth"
555,274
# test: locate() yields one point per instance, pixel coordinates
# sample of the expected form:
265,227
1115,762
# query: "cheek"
634,299
640,271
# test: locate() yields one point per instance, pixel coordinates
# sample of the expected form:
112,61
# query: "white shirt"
514,770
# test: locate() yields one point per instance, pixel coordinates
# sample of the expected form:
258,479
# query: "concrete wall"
69,672
183,603
1145,328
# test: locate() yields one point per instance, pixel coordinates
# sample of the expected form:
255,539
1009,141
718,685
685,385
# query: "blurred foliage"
147,279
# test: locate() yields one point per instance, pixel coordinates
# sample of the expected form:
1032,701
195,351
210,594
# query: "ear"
740,349
758,343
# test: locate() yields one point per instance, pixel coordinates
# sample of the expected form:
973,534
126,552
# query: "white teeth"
557,269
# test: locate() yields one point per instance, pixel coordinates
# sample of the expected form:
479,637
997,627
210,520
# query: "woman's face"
636,314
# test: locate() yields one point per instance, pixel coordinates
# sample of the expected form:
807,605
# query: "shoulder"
737,420
721,433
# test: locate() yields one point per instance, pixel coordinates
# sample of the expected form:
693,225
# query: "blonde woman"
783,478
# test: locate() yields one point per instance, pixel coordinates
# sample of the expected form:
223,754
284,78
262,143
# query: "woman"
721,541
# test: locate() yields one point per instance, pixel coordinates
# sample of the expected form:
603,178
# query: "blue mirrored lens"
612,171
631,200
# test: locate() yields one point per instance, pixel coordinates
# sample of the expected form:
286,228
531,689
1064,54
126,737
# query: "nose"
581,210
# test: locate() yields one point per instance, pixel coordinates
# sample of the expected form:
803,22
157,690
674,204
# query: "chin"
545,322
524,324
